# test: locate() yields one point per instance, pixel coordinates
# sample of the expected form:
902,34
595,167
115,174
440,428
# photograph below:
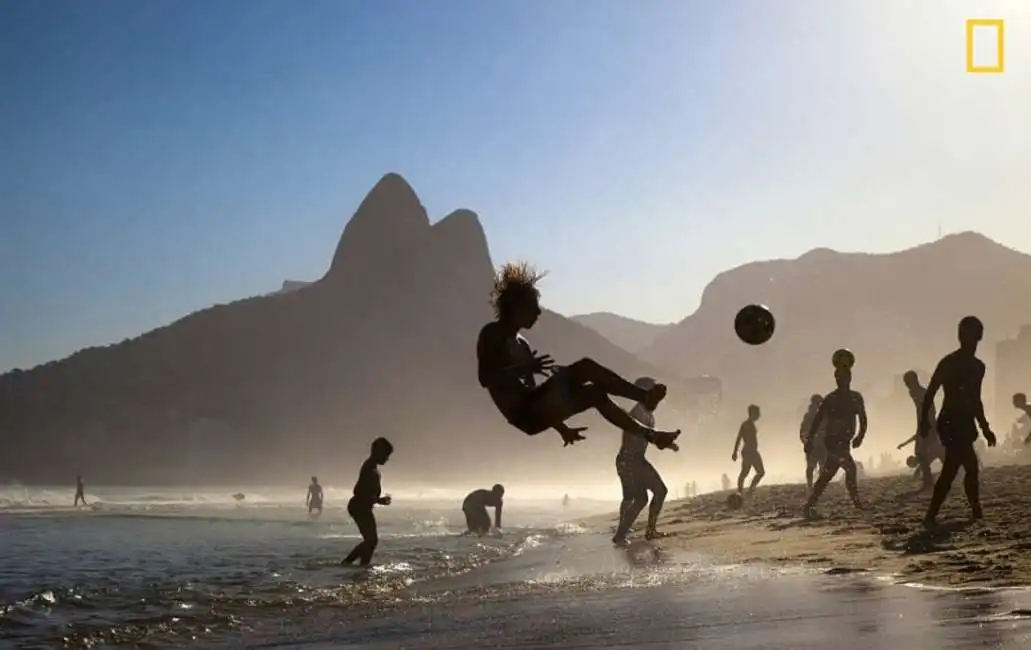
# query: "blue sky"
159,157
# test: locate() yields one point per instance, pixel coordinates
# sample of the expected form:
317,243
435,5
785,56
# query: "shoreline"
885,538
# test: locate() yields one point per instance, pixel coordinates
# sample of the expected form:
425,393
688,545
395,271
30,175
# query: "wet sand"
886,537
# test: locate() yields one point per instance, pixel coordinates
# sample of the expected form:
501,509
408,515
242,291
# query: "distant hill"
627,333
895,311
298,382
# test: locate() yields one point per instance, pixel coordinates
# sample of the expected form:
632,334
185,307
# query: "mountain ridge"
628,333
287,384
895,310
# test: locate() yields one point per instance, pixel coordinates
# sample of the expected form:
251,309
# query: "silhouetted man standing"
812,444
637,476
751,459
314,498
840,409
959,374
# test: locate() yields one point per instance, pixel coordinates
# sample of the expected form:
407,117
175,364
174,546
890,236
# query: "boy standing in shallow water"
368,492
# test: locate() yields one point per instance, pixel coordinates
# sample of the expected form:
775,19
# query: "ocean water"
174,568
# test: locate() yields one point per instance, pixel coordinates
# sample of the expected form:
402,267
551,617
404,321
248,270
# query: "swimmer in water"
748,440
639,477
474,507
839,411
314,498
507,366
368,493
959,375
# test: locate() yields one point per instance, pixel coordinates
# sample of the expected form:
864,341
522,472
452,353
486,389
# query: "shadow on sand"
930,540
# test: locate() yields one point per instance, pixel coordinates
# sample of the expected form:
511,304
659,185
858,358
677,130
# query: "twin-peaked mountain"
279,387
298,382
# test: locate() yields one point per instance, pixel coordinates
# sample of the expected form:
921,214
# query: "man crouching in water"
638,476
840,409
474,507
507,366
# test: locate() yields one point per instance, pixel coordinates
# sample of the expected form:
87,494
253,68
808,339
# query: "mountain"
627,333
298,382
292,285
895,311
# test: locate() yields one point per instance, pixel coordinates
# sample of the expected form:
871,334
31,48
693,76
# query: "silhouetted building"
1012,371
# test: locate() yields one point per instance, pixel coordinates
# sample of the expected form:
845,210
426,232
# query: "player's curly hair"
512,282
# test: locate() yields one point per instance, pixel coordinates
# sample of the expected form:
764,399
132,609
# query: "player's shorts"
637,476
548,404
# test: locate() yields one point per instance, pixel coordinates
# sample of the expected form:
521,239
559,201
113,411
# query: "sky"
160,157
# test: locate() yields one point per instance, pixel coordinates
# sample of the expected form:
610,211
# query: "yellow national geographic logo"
981,28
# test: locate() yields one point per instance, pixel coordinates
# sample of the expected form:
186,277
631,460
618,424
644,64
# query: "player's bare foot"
620,541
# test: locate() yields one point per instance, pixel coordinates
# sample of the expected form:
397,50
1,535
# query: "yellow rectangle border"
1000,64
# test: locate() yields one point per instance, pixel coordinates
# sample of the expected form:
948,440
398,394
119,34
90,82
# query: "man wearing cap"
638,476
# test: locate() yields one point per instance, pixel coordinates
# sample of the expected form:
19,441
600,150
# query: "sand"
886,537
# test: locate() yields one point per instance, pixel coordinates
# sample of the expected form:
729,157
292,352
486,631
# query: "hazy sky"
158,157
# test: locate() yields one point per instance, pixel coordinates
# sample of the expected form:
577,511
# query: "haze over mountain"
895,311
282,386
627,333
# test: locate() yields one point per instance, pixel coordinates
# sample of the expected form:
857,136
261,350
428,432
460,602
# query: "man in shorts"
751,459
639,477
839,411
959,375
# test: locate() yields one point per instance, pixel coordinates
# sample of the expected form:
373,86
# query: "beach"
177,568
886,537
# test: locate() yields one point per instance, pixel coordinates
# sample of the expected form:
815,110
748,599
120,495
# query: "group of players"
829,430
508,369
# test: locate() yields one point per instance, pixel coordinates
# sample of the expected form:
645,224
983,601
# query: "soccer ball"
754,324
843,359
912,462
734,501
